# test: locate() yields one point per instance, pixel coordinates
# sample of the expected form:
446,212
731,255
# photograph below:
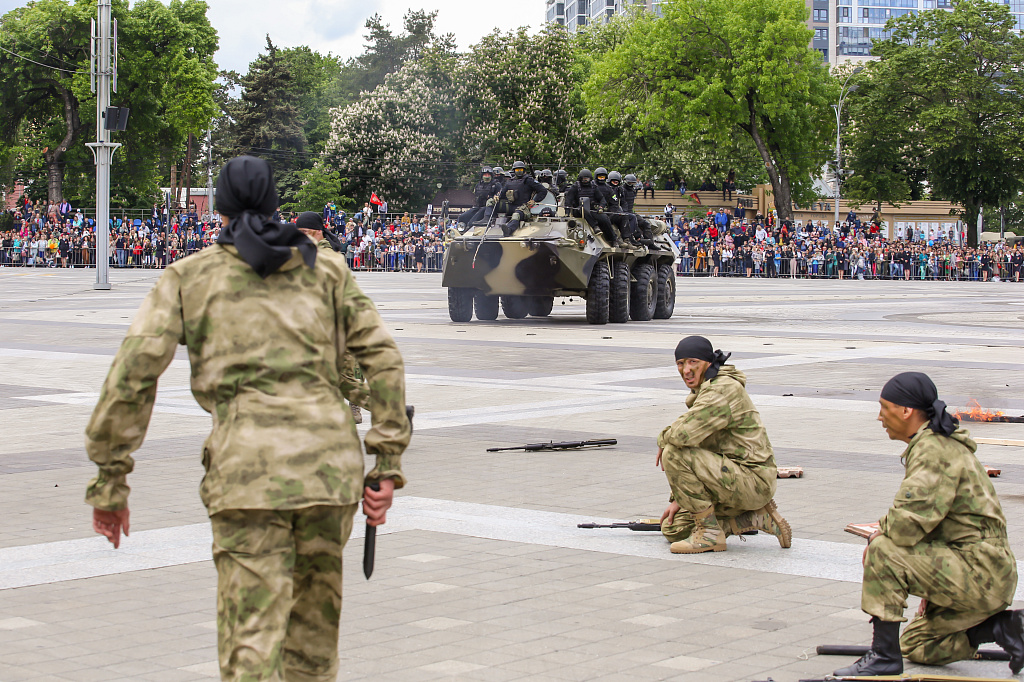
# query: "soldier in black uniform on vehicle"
627,196
612,208
562,181
627,221
547,179
586,189
484,192
519,196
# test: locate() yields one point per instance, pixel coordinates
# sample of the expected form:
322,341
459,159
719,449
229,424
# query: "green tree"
880,148
718,69
319,186
314,79
267,121
402,138
522,99
956,77
45,48
386,52
165,76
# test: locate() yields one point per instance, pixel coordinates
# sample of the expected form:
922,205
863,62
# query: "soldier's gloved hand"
110,523
377,502
531,203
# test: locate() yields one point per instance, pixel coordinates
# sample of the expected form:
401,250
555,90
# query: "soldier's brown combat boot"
707,535
767,519
357,414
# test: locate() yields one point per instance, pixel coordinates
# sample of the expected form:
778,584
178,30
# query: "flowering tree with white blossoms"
512,97
400,139
521,95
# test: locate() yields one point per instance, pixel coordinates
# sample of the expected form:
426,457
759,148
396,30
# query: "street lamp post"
838,109
103,67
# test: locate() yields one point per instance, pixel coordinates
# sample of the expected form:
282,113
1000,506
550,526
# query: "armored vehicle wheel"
486,306
460,304
597,294
666,292
540,306
515,307
645,292
618,310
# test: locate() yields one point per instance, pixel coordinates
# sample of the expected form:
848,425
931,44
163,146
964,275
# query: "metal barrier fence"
378,260
802,268
366,261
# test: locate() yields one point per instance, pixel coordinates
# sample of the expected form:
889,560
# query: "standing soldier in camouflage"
353,383
267,319
943,539
717,457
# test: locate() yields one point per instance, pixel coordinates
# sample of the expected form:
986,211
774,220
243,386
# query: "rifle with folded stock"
647,525
566,445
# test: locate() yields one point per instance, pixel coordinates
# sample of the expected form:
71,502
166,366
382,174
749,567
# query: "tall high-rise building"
575,14
843,29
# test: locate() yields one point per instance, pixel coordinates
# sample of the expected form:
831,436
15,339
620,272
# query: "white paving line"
65,560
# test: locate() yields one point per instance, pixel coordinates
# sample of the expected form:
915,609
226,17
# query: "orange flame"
975,413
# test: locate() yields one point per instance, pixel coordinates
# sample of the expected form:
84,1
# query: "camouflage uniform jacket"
265,358
946,497
723,419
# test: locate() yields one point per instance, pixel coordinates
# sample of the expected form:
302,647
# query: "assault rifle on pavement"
567,445
848,650
902,677
642,525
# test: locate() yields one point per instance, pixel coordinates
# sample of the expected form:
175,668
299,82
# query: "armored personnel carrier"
556,255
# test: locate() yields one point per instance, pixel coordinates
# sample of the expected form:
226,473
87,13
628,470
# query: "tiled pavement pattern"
452,602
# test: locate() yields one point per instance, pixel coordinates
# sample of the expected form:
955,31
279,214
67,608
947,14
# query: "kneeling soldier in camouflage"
717,458
943,539
267,319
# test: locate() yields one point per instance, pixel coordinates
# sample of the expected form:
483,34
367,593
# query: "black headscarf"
310,220
699,348
917,390
246,193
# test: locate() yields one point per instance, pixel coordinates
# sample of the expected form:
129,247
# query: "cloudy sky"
337,25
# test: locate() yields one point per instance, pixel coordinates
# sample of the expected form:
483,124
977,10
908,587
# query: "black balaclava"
246,193
310,220
917,390
699,348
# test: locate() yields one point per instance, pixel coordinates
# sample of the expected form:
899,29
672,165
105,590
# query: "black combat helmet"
601,174
519,169
614,178
498,170
561,174
546,176
630,179
487,171
585,177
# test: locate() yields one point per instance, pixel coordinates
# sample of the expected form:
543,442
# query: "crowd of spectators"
40,235
719,244
724,244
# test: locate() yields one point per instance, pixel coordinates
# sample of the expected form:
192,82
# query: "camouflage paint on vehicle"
549,256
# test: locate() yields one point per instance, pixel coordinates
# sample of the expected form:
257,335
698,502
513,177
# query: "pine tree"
267,119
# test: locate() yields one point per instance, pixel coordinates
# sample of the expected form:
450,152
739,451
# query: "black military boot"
1005,629
884,656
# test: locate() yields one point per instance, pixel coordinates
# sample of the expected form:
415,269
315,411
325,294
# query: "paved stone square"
481,572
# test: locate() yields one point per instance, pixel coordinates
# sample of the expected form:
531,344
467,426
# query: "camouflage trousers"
961,593
353,383
701,478
279,592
